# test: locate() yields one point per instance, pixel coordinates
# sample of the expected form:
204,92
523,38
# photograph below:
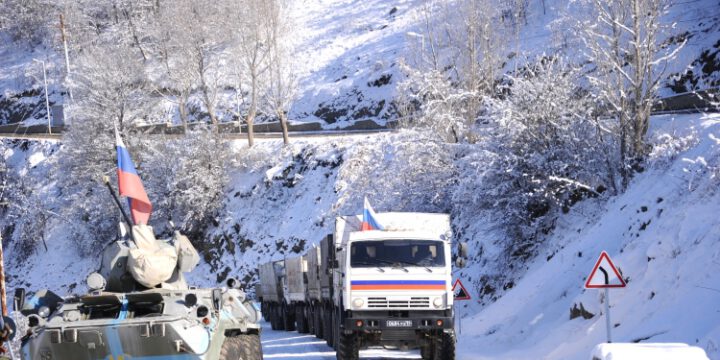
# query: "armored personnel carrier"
139,306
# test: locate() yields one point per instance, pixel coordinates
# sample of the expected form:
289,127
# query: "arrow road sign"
604,275
459,292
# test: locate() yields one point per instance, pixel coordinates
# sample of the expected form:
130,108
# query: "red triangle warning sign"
604,274
459,292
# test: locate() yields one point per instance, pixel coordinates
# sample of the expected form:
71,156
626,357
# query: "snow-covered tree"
186,179
254,39
282,80
625,41
462,49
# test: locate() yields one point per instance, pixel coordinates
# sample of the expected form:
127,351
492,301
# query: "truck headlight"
438,302
358,303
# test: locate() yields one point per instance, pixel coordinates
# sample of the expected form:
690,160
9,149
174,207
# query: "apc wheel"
348,347
242,347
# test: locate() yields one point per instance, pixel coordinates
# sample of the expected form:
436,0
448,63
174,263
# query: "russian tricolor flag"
369,221
129,184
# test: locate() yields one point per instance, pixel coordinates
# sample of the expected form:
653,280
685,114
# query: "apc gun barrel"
117,202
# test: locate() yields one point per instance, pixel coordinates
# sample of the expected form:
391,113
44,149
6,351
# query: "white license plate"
399,323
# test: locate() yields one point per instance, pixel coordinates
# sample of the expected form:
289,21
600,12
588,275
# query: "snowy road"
291,345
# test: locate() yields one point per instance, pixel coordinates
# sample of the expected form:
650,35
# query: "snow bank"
655,351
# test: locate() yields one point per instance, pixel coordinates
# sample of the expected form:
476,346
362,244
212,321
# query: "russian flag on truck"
369,221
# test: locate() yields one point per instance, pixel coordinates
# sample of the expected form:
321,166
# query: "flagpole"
106,180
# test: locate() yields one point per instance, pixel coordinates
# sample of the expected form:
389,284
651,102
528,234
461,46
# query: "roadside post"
602,277
460,294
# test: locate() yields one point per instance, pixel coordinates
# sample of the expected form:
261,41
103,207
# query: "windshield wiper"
369,263
417,264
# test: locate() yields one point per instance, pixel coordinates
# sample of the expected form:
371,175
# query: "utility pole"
47,100
67,56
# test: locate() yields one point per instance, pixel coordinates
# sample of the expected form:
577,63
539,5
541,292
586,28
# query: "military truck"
272,296
314,290
295,291
140,306
390,288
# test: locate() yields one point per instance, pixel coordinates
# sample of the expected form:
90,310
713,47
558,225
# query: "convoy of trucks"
357,289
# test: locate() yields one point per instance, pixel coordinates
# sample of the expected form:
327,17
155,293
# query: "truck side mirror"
19,299
332,253
460,262
463,249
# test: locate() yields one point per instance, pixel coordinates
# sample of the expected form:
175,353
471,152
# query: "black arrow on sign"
607,279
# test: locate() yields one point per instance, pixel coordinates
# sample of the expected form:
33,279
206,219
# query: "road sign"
459,291
604,274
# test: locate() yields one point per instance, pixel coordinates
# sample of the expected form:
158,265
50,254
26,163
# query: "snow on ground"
278,344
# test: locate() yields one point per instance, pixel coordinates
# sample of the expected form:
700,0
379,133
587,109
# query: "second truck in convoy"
389,288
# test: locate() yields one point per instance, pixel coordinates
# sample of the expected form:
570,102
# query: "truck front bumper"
412,320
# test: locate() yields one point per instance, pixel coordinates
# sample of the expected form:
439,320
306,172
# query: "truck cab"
393,287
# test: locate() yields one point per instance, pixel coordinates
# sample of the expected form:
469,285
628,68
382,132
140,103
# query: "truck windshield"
395,252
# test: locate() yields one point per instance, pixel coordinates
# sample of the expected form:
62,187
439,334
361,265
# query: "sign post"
460,294
604,279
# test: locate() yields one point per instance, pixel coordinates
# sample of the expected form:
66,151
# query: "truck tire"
288,318
271,316
302,326
337,331
427,350
329,327
348,346
318,323
310,318
445,347
278,317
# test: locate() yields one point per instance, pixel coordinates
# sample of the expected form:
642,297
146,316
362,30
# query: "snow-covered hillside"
348,53
663,234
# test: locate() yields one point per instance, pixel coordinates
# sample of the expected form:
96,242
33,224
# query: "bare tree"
463,52
623,40
282,81
255,36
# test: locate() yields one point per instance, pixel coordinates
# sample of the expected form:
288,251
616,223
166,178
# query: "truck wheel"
337,331
278,317
288,319
445,347
271,316
427,349
318,323
348,347
310,318
300,319
329,327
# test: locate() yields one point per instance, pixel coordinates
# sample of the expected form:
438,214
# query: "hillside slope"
663,234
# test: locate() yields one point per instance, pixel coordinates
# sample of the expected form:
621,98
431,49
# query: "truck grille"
413,302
